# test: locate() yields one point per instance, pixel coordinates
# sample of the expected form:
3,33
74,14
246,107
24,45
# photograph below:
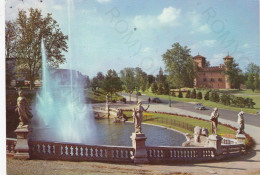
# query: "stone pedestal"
241,139
138,142
215,141
22,147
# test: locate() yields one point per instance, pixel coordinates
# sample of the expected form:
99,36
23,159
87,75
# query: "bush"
206,97
180,94
188,94
225,99
214,96
193,94
173,94
199,95
160,89
239,102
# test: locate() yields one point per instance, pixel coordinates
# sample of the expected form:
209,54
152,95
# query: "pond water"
109,133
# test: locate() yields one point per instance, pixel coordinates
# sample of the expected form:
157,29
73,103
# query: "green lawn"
99,96
153,119
256,99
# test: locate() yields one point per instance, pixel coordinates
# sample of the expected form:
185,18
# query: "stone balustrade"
228,141
155,154
180,154
77,152
10,145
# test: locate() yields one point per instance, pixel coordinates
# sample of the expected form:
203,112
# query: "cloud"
169,15
246,45
204,28
209,43
147,50
103,1
143,22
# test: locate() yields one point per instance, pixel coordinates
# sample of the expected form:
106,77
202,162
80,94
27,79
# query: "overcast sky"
114,34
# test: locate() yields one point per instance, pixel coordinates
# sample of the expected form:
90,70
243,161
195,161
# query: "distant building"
211,77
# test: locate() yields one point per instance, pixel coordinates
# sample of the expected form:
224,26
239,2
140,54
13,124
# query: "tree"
10,39
234,74
140,79
206,96
154,87
180,66
128,79
88,83
94,84
252,73
112,83
180,94
150,79
29,33
193,94
199,95
187,94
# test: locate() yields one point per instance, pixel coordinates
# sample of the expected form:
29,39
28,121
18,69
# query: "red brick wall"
211,79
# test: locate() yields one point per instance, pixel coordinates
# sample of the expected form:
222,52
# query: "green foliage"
188,95
154,87
252,73
180,94
112,83
180,66
234,74
199,95
193,94
128,79
160,89
225,99
206,96
30,30
214,96
173,94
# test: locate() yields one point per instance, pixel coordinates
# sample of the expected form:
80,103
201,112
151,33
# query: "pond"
109,133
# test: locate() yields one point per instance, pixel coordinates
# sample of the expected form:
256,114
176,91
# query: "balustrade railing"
76,152
165,154
228,141
10,145
232,150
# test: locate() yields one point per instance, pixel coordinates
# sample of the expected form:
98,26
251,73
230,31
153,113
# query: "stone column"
22,147
241,139
215,141
138,142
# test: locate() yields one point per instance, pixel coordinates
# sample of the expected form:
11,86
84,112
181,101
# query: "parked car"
139,93
200,106
156,100
258,113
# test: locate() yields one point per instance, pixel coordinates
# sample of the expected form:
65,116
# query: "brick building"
211,77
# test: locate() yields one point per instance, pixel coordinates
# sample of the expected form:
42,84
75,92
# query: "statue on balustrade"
138,116
241,123
214,121
23,109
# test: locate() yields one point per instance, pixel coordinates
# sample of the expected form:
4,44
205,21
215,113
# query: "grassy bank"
99,96
180,123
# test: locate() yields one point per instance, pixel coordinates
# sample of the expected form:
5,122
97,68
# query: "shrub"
214,96
160,89
193,94
188,94
173,94
206,97
199,95
180,94
225,99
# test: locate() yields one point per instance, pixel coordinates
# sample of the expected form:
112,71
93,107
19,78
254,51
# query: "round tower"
227,59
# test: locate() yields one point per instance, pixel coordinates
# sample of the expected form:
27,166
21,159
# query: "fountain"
60,108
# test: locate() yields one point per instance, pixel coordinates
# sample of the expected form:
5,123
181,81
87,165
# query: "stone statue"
23,110
138,117
214,121
241,123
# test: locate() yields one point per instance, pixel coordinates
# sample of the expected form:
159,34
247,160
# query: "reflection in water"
109,133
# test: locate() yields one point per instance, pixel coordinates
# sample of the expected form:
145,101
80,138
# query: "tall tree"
180,66
252,72
29,33
140,79
234,74
10,39
128,79
112,83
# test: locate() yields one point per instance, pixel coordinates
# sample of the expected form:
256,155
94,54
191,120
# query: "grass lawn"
152,118
256,99
99,96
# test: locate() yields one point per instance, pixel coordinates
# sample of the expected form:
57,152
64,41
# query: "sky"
114,34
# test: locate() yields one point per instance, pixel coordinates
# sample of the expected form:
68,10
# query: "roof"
228,57
198,56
